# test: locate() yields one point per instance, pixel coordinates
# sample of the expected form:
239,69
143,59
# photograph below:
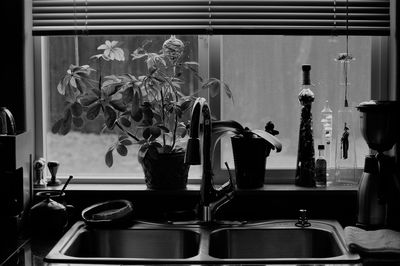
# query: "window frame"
210,56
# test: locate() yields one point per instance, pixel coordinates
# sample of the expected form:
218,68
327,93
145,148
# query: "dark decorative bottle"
305,169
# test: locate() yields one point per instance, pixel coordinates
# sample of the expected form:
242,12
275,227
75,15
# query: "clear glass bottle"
346,126
320,168
327,140
305,167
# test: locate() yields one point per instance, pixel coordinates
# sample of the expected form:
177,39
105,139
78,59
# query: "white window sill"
196,188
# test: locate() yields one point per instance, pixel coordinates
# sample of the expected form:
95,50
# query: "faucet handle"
303,220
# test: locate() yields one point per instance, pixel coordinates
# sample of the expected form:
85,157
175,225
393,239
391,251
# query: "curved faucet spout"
210,197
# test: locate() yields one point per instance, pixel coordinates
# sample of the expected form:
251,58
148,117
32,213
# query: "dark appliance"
379,190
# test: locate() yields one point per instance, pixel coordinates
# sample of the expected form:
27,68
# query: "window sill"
195,188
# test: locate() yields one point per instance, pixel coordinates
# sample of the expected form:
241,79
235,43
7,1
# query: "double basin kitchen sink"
266,242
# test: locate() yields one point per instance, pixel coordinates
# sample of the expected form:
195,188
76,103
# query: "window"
265,76
81,152
262,71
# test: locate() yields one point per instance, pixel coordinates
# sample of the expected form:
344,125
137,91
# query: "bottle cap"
306,67
306,74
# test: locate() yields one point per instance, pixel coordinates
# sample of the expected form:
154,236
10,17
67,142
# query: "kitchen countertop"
335,200
9,247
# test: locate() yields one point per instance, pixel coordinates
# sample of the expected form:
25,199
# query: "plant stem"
174,135
162,111
126,131
176,115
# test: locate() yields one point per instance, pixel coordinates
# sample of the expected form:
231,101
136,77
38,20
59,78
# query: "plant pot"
165,170
250,157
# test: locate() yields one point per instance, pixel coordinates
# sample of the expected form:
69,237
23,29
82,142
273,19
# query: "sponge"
111,214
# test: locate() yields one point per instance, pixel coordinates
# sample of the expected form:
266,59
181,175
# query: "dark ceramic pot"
250,157
165,170
49,217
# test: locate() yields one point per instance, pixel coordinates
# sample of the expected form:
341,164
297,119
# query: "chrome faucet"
211,198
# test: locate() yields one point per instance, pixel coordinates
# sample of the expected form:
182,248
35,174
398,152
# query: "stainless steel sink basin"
145,243
139,244
268,242
273,243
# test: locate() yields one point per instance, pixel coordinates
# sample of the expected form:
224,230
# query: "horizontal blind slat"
213,2
211,16
144,9
232,15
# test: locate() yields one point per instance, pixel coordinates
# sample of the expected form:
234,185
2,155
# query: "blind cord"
334,18
76,43
210,29
86,17
346,62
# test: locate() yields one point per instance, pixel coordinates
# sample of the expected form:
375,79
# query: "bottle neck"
306,78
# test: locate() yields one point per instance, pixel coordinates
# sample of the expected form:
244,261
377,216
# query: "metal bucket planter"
166,171
250,157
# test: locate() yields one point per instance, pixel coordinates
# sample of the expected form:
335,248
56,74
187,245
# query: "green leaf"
57,126
93,111
88,100
213,85
76,109
139,53
228,91
81,85
126,142
118,105
122,137
151,133
125,121
190,63
77,121
71,94
62,84
269,137
122,150
109,157
137,116
147,112
163,128
97,92
110,90
110,116
127,95
72,82
142,152
66,123
186,104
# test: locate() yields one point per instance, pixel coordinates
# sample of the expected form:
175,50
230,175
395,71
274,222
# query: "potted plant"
250,149
143,108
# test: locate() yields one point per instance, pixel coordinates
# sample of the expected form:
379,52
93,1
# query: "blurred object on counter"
53,168
38,168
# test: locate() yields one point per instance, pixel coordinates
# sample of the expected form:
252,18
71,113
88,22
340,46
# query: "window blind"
290,17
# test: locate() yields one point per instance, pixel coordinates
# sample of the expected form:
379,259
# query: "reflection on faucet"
211,198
